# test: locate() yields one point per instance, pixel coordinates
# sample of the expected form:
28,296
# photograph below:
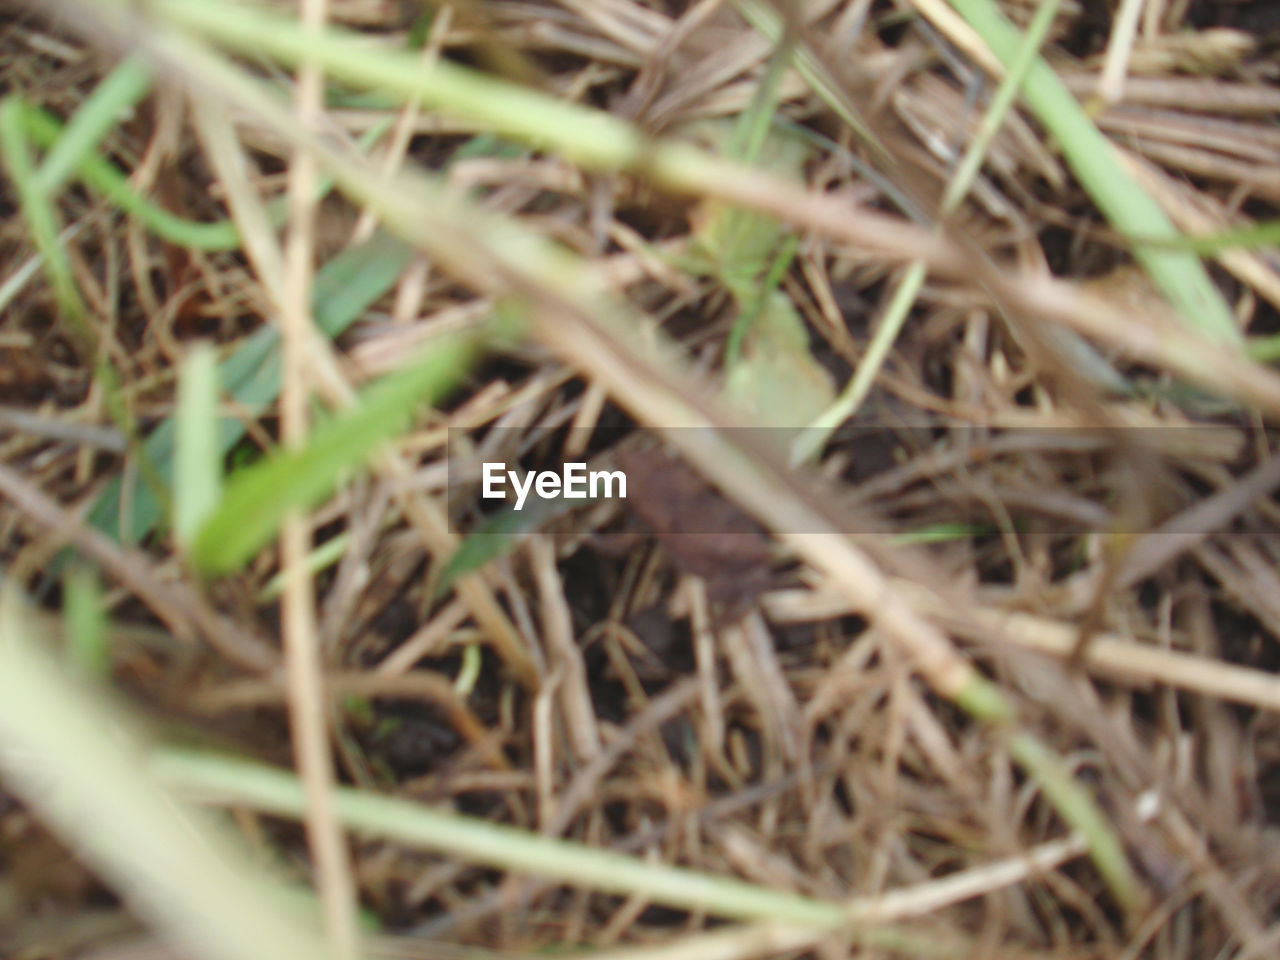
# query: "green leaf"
258,497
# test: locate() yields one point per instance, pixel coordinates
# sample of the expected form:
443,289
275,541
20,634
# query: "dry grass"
1081,636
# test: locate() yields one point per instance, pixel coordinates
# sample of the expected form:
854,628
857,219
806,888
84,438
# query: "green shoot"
258,497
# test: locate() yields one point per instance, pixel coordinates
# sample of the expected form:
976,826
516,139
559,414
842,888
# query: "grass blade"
509,848
197,475
86,622
1178,274
258,497
125,86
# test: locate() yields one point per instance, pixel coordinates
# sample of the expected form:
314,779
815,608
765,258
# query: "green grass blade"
984,700
1076,806
355,279
1179,275
321,558
104,179
766,21
197,472
493,844
88,652
970,164
493,537
1264,349
590,137
258,497
42,219
101,176
101,110
809,443
752,127
1253,237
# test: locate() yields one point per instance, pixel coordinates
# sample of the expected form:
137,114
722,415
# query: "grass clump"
962,538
